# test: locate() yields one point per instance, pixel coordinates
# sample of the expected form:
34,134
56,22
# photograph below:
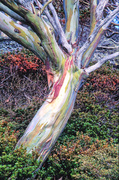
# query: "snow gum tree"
38,28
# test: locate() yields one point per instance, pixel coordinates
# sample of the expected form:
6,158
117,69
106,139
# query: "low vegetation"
86,150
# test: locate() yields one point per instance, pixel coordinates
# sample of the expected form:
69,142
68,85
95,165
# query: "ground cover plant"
86,149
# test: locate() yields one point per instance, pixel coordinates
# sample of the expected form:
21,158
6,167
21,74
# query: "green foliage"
102,165
98,122
82,158
20,117
14,163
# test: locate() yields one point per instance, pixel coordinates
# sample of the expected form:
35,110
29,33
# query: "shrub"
20,62
14,164
26,78
82,158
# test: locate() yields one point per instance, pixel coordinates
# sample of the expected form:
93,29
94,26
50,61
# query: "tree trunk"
41,32
51,118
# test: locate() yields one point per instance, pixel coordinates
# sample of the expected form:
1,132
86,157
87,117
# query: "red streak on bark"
57,86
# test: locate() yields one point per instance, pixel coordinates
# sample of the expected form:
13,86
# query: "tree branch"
105,23
44,32
59,29
96,12
22,35
45,5
93,6
107,47
101,62
26,3
11,13
47,14
71,8
87,50
100,9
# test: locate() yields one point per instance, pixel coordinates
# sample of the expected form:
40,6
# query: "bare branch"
93,6
114,24
44,32
22,35
100,9
47,14
45,5
96,12
33,8
84,2
26,4
59,30
105,23
101,62
11,13
71,8
108,47
115,42
90,45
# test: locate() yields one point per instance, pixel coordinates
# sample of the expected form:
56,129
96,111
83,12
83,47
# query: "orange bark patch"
69,21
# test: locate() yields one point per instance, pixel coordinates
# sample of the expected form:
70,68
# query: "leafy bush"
101,124
14,164
21,62
82,158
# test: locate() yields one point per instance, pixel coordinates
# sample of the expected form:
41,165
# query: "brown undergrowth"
23,79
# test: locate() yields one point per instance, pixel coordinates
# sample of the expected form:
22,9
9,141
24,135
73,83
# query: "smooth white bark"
101,62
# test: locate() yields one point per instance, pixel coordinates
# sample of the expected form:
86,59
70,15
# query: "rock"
8,45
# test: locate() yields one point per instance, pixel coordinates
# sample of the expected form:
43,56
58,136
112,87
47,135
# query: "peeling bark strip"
66,63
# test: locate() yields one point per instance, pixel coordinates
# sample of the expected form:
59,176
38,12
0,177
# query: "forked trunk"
53,115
